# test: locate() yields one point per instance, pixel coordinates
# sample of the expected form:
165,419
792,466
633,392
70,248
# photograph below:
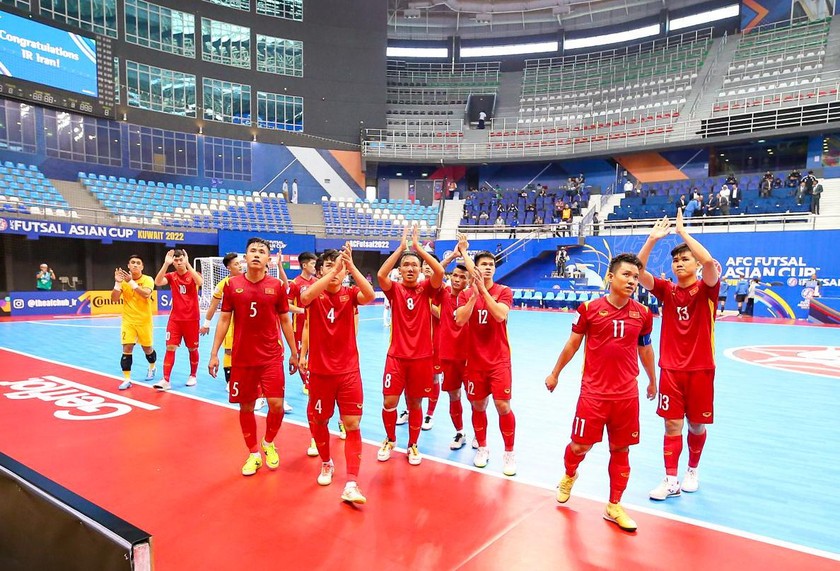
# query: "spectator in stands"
483,215
765,187
560,261
735,195
800,193
712,205
576,208
815,198
695,193
571,186
523,193
500,208
543,191
731,179
558,206
628,188
500,221
580,179
530,207
810,180
566,215
637,189
777,182
596,224
793,178
693,209
723,201
682,203
513,208
482,117
513,224
294,191
44,278
286,188
538,220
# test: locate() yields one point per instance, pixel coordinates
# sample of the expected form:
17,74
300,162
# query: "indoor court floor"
169,462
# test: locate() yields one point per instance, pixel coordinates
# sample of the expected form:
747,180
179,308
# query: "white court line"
48,324
646,510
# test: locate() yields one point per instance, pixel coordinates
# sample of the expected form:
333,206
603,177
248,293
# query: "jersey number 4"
331,316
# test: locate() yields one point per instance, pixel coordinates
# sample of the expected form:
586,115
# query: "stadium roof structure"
440,19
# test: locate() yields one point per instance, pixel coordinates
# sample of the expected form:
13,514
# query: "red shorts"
620,417
186,330
327,390
414,376
688,394
247,384
454,374
483,383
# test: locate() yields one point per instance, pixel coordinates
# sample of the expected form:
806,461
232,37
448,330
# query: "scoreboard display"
50,66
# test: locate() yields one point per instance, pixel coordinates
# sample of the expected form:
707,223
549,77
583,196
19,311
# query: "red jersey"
256,311
184,297
332,332
687,341
611,355
487,338
296,288
450,334
411,320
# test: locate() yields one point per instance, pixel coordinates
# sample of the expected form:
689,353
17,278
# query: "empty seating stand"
27,191
377,218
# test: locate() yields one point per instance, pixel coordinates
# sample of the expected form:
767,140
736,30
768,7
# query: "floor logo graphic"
819,360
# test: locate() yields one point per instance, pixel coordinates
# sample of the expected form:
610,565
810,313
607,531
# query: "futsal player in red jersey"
258,305
184,317
617,330
686,352
451,338
297,286
332,360
408,365
485,307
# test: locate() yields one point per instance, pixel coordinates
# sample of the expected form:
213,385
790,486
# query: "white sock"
350,484
672,480
256,455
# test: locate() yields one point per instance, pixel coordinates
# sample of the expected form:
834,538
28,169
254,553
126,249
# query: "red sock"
671,450
193,362
572,460
273,420
479,421
304,376
248,422
321,434
507,424
415,422
619,474
389,419
353,453
168,362
433,399
695,447
456,412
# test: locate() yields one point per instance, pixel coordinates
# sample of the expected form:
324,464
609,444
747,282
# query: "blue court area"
770,461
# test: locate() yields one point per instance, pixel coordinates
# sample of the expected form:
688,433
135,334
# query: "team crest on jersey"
635,314
694,290
635,435
239,290
344,298
269,291
603,312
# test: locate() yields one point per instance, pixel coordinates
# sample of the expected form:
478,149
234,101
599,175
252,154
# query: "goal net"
212,272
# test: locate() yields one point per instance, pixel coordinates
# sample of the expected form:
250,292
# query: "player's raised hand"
662,227
186,258
680,221
415,237
213,366
347,255
478,281
404,239
551,383
170,257
118,275
463,244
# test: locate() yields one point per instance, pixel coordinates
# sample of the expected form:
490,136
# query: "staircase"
453,209
526,249
707,86
80,199
307,218
829,218
832,47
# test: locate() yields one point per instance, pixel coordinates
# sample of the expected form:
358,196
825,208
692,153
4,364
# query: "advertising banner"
234,241
94,302
36,229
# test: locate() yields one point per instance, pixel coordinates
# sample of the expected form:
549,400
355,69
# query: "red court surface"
170,465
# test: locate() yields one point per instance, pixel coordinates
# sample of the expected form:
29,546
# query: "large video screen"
35,52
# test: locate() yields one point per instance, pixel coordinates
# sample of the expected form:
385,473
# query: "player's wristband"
206,323
133,284
117,286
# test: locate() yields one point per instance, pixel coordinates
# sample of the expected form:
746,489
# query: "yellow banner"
101,304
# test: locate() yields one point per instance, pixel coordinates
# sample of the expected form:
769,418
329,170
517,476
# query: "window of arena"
17,127
159,28
280,56
22,4
164,151
225,43
227,102
227,158
158,89
97,16
244,5
276,111
81,138
287,9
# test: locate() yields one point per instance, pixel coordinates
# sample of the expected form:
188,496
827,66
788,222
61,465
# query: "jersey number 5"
253,309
